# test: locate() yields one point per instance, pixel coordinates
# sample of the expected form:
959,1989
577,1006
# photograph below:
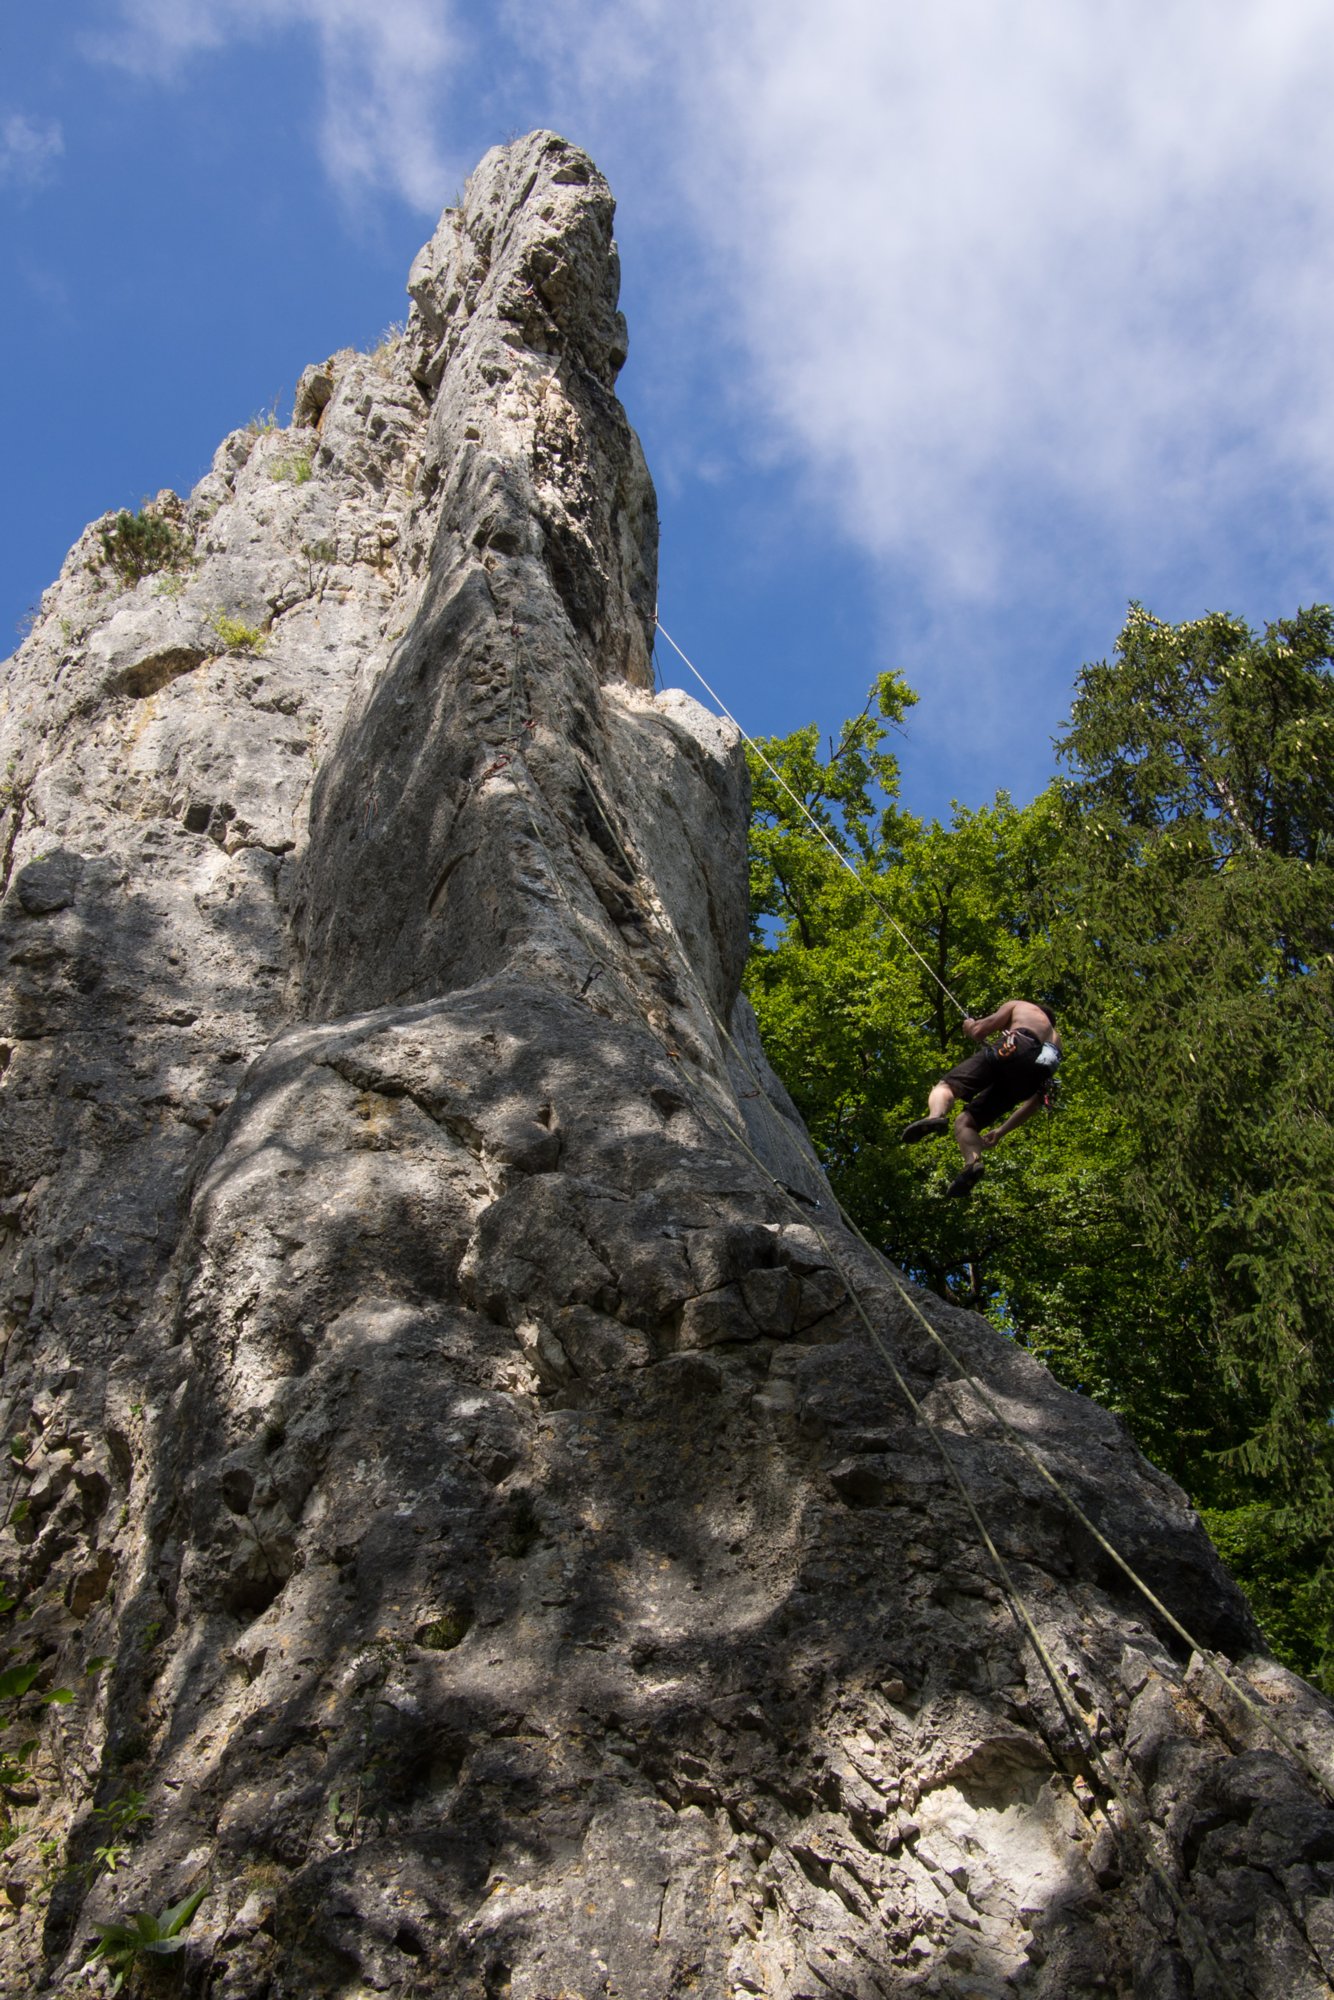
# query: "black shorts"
992,1086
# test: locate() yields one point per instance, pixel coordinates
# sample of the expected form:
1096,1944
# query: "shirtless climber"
1010,1074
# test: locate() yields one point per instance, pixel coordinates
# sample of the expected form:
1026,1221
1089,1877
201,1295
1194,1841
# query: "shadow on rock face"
559,1581
520,1575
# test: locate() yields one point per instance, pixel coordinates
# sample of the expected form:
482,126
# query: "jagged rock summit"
486,1551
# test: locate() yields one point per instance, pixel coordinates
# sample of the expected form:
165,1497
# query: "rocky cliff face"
438,1390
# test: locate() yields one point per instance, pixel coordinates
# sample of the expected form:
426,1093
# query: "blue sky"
952,328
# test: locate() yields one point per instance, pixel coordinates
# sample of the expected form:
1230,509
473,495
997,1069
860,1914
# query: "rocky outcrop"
453,1478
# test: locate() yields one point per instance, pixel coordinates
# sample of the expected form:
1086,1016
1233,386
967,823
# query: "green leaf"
16,1681
116,1934
57,1695
176,1918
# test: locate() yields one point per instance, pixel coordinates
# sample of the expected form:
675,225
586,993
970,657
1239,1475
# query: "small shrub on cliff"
236,635
122,1821
124,1947
21,1715
136,545
297,470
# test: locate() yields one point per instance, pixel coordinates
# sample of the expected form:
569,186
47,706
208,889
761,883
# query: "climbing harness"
1023,1042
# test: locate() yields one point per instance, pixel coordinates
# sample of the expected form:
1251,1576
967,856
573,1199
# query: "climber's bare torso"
1014,1014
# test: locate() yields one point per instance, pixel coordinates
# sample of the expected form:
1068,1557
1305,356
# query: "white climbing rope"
1083,1732
802,807
1255,1709
1129,1832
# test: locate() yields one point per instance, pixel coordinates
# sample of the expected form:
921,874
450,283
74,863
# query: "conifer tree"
1165,1242
1199,930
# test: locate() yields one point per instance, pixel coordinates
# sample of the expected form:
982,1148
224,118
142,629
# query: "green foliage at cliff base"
1164,1241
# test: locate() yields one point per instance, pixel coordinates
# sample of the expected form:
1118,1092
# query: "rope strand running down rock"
802,807
1258,1711
1128,1833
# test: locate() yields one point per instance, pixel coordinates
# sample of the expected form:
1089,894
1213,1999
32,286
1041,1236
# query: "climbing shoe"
964,1181
924,1128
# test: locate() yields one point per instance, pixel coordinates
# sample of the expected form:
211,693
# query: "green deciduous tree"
860,978
1165,1243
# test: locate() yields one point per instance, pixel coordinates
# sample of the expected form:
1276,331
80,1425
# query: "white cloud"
28,150
1025,290
1030,301
970,250
385,67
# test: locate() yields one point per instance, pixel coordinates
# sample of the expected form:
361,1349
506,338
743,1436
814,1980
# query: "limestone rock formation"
440,1394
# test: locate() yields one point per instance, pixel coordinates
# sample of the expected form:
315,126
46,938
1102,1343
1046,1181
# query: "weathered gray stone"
432,1346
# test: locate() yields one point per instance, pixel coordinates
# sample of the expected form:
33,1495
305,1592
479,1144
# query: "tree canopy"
1165,1241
